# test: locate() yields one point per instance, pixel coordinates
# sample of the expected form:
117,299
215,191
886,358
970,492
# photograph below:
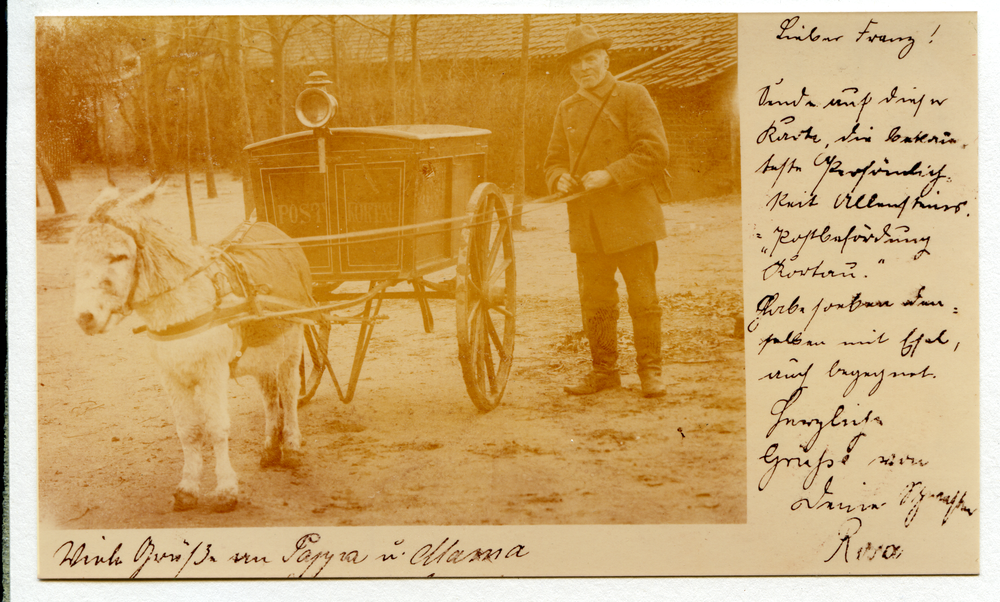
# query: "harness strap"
236,358
228,276
216,317
234,268
225,278
586,139
131,302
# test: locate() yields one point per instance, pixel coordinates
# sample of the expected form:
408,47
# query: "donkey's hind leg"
271,454
288,397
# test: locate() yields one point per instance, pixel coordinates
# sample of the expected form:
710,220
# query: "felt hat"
583,39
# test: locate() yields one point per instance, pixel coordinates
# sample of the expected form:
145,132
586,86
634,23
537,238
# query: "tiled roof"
700,46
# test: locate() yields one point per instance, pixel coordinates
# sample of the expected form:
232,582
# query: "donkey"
126,261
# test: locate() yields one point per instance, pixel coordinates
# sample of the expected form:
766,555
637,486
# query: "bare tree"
209,168
78,66
331,22
50,182
187,130
143,37
335,59
278,32
522,97
149,127
239,97
416,89
391,60
278,66
390,37
102,136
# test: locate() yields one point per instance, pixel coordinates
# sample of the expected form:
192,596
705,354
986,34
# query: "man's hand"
596,179
566,183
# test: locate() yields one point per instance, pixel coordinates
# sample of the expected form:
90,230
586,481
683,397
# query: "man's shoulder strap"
601,104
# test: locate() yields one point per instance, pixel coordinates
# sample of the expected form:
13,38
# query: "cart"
389,206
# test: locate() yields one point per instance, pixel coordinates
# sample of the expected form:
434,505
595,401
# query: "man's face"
588,70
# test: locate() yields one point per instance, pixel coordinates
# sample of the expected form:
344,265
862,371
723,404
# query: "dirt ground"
411,448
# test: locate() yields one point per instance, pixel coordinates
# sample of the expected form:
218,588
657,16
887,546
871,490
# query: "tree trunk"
187,139
522,101
179,131
734,151
102,136
168,160
48,134
239,96
209,168
148,122
50,183
416,90
278,67
334,55
335,68
187,156
391,61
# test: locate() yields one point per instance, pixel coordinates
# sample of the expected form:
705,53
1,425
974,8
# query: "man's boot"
602,332
594,382
648,355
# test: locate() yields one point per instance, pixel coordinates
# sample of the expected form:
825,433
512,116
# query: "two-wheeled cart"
388,206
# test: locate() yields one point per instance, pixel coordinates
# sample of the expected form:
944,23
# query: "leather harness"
227,275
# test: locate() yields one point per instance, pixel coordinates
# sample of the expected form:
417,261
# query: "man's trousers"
599,301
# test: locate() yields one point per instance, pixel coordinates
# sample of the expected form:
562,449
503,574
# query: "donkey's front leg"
187,418
214,399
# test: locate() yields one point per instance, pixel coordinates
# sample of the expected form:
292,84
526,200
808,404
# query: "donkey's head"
108,249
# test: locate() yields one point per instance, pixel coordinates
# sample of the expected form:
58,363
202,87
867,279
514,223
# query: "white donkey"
127,261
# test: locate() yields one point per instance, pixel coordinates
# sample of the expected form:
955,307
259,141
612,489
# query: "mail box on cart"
332,181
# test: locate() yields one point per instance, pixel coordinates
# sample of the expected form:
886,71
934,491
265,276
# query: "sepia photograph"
389,270
575,294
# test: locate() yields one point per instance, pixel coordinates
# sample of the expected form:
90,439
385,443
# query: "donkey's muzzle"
88,323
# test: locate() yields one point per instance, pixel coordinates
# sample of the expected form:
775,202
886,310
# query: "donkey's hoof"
224,502
291,458
270,457
184,500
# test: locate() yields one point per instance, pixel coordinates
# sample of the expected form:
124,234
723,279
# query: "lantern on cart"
314,106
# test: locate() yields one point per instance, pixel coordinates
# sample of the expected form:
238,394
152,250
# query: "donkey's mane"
164,259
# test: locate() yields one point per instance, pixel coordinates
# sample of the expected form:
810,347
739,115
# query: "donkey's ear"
147,195
104,202
110,193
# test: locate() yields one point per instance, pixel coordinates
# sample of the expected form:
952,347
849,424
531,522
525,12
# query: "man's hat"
583,39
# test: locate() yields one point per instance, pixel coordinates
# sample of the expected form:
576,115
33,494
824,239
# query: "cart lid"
408,132
416,131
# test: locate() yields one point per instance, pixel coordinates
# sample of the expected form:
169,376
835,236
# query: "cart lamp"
314,105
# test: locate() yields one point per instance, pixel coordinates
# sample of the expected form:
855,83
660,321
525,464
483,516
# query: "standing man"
609,136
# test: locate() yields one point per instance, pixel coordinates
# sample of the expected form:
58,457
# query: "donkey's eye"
118,258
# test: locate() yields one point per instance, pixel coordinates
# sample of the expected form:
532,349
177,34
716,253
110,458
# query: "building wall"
702,127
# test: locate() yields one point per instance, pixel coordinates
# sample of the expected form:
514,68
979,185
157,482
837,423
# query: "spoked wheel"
485,299
313,361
